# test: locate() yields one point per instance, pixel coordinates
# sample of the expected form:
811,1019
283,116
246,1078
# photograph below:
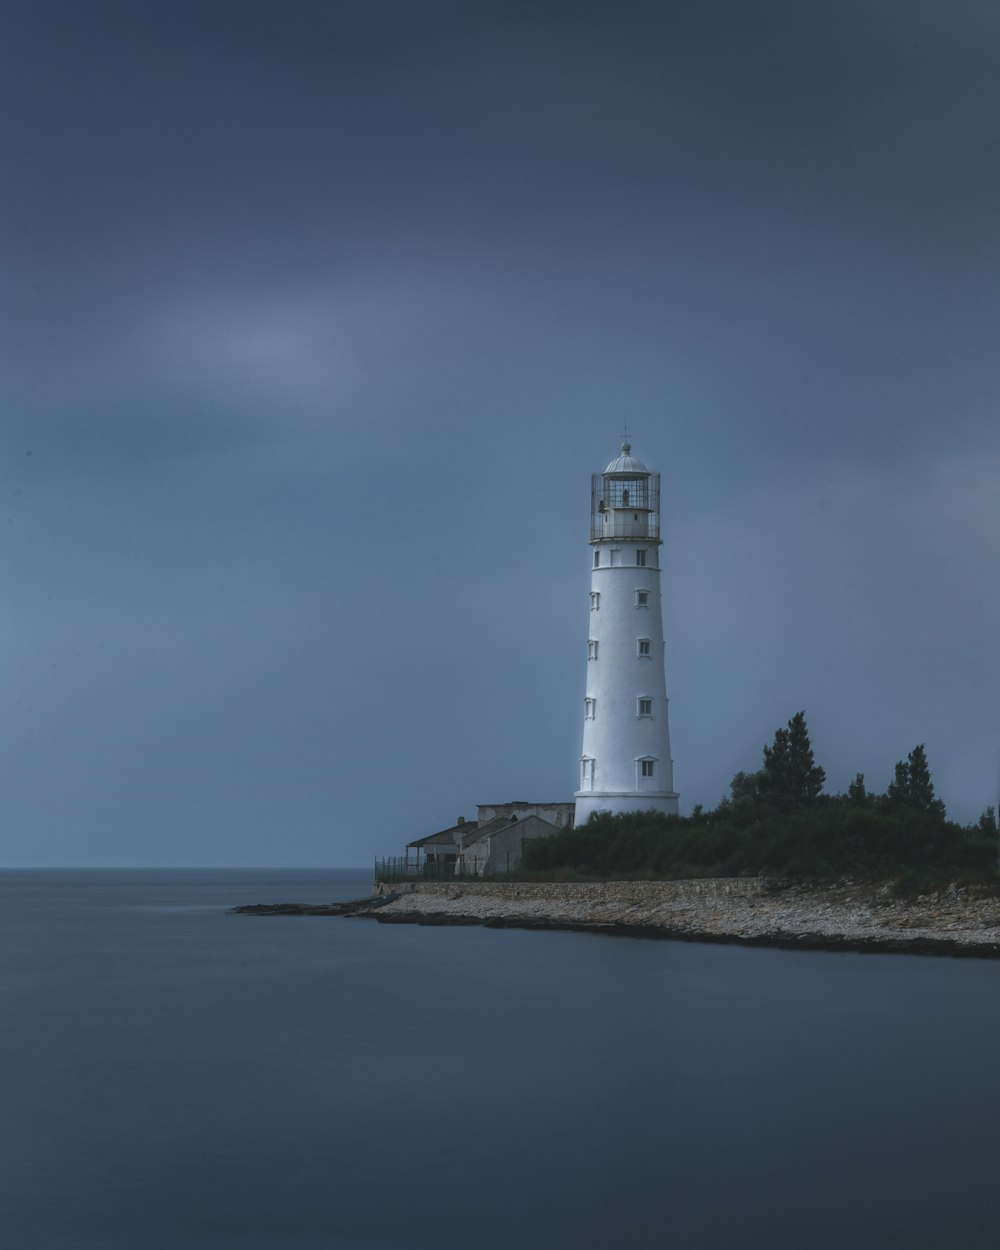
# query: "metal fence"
397,869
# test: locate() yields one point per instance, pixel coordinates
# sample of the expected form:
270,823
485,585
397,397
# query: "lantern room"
625,500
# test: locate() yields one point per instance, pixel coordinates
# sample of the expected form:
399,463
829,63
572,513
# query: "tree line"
778,821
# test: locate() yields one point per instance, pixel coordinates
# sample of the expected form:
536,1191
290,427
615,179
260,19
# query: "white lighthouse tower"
626,764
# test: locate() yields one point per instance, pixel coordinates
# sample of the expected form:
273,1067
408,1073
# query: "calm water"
175,1077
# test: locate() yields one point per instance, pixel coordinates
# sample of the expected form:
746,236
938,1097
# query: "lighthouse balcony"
625,525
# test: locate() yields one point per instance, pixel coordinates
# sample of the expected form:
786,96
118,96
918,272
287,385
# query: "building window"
642,647
587,773
646,768
589,707
640,557
592,649
642,598
597,559
644,707
595,600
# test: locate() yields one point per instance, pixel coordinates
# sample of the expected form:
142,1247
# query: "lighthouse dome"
625,463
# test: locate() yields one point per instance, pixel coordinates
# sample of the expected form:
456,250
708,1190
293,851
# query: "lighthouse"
625,765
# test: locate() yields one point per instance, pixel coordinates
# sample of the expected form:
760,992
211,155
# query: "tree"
899,787
806,776
912,783
790,773
856,791
745,786
921,787
774,775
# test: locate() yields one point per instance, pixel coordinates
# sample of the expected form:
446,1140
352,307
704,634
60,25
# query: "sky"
317,317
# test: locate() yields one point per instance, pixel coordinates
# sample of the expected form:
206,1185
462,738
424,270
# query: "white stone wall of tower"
617,734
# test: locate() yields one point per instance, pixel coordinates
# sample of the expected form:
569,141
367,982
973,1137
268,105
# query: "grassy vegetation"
779,823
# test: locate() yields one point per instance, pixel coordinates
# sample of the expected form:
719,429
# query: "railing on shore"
393,870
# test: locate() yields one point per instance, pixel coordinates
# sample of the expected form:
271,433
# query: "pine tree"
856,791
805,775
745,786
913,785
921,788
790,773
774,776
899,787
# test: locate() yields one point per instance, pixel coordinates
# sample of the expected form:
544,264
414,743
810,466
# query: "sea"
177,1077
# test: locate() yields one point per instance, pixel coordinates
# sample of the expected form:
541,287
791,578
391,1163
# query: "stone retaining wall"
629,893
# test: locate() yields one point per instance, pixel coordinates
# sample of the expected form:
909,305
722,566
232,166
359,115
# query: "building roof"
625,463
469,831
499,823
443,835
527,803
484,830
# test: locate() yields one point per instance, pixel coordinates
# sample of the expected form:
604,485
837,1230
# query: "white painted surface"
616,738
557,814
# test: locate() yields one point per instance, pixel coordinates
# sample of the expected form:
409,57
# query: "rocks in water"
316,909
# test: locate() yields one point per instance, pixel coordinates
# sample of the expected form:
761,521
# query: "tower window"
587,773
640,557
589,707
646,768
597,559
642,598
642,647
644,707
592,649
595,600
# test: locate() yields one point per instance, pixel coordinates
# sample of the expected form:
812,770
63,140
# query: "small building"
438,849
496,847
491,844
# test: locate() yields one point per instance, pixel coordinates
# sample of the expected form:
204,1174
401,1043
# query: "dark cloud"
316,320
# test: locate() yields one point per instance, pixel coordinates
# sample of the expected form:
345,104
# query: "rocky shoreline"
756,912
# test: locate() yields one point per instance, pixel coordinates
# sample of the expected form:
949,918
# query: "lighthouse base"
617,802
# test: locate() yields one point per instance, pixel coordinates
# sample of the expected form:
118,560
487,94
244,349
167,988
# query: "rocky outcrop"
754,911
355,906
842,916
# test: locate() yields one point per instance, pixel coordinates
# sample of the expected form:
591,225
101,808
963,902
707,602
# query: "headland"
753,911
